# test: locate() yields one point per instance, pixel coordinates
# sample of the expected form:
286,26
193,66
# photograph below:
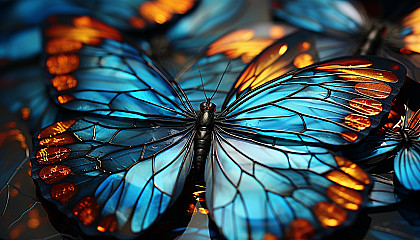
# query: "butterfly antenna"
202,83
220,80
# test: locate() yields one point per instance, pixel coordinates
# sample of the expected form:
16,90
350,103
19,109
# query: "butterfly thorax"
372,40
408,137
202,140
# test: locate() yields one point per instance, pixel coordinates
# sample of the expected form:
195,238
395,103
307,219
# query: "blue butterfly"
117,167
344,28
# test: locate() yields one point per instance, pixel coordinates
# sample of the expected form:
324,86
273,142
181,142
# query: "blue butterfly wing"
257,190
407,167
24,93
382,194
233,53
198,29
334,17
335,102
14,47
112,175
94,71
21,14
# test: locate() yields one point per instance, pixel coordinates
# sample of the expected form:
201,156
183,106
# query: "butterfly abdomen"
202,140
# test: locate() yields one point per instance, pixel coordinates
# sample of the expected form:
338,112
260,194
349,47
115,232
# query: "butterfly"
117,167
173,30
344,28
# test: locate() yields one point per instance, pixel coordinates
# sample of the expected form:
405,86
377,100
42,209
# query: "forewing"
333,17
112,175
334,102
257,190
91,69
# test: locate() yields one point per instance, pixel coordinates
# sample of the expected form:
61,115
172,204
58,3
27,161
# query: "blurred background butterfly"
344,27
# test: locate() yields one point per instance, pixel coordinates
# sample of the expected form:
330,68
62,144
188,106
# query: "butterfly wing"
334,102
257,190
92,70
22,215
24,93
204,25
402,44
138,15
382,194
407,161
112,175
333,17
233,53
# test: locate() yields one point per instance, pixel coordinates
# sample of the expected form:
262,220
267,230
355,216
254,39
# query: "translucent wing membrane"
238,49
24,93
257,190
334,102
335,17
92,70
382,194
112,175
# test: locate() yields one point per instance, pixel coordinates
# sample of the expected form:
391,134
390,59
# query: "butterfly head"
209,106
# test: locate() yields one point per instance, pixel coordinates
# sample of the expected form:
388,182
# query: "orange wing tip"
64,82
344,180
25,113
87,209
345,197
108,224
345,63
304,46
54,173
65,98
52,155
358,122
269,236
56,128
161,11
366,106
62,45
349,136
352,169
329,214
370,74
303,60
14,134
57,140
86,21
241,43
137,22
374,90
62,64
299,229
63,192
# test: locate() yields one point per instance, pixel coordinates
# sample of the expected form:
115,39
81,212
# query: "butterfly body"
372,41
202,139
